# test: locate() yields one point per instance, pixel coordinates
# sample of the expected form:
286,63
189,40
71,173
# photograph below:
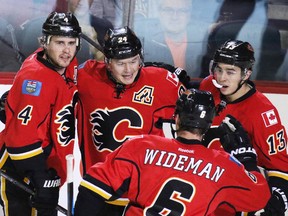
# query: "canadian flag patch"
269,118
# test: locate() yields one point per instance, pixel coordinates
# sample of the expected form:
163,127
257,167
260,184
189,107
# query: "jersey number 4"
25,115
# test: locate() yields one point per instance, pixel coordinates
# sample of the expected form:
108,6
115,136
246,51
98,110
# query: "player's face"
175,17
61,50
124,70
229,76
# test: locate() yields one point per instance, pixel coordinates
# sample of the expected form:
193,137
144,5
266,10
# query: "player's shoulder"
91,67
225,159
144,137
159,77
152,70
32,69
261,101
91,64
144,140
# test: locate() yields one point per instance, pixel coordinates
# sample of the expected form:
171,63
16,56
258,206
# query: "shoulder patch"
31,87
173,78
269,118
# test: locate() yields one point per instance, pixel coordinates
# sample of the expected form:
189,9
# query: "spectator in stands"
175,37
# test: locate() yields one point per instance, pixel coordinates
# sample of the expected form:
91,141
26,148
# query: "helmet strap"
55,66
241,83
48,39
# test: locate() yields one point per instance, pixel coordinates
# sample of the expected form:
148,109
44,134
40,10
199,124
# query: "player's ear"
247,74
107,63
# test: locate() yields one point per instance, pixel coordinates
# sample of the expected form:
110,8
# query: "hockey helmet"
62,24
196,109
121,43
235,52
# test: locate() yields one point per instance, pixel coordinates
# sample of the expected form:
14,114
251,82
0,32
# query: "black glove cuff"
250,165
276,205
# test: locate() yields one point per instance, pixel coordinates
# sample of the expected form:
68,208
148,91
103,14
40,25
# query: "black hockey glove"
2,107
235,141
276,205
181,73
46,186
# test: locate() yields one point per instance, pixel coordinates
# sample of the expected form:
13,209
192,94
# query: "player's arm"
275,138
24,146
235,141
278,203
88,203
105,183
182,75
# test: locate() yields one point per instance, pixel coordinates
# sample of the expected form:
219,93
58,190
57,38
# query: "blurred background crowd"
184,33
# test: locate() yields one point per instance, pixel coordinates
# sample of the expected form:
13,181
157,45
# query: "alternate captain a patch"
144,95
31,87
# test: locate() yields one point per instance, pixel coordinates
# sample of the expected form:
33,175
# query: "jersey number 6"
171,198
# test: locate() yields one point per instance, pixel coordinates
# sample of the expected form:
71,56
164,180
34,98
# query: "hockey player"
163,176
229,81
40,120
121,98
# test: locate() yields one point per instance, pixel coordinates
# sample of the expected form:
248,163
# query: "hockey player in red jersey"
121,98
229,81
166,176
40,119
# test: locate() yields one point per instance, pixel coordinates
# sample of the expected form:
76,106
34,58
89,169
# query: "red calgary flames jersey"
260,119
107,121
40,115
164,176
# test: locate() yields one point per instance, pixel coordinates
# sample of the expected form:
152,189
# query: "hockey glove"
235,141
181,73
276,204
46,195
2,107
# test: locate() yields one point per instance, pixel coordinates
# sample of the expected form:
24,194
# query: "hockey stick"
92,42
70,200
26,188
